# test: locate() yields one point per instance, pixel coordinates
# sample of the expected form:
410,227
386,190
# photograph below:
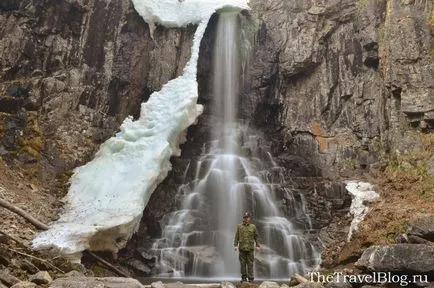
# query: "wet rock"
400,258
139,266
42,277
94,282
422,227
146,256
7,278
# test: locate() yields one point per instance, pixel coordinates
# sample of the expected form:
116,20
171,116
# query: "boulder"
401,258
413,239
139,266
42,277
422,227
7,278
146,256
95,282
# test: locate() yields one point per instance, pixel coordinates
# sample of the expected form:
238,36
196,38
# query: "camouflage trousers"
246,261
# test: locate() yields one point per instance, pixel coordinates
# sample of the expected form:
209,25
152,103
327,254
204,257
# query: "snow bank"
179,13
361,192
107,196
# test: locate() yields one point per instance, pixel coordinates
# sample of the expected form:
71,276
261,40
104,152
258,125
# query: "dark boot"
243,278
251,279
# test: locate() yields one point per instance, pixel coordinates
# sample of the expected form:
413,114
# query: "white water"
197,241
108,195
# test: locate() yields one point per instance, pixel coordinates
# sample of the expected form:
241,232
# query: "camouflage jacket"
246,236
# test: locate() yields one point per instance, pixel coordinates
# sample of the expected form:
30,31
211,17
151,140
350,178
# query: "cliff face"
71,71
339,81
332,84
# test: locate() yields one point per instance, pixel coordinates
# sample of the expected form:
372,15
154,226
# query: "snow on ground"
361,192
108,195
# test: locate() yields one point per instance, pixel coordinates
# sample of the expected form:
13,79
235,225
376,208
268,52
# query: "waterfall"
234,174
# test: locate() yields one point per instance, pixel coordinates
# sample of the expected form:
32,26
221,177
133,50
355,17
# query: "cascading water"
233,175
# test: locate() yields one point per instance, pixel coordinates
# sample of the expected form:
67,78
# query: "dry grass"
406,188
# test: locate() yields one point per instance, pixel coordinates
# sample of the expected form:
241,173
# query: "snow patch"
107,196
176,13
361,192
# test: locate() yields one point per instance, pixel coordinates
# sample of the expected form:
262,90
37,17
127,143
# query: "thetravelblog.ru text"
374,278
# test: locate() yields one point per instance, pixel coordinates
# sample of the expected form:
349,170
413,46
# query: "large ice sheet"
107,196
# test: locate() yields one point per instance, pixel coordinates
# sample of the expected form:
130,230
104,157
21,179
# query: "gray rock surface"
42,277
333,78
72,71
330,82
401,258
422,227
7,278
88,282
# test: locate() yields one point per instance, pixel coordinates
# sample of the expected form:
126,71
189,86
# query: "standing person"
246,238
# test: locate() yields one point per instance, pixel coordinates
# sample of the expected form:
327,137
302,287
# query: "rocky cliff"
332,85
340,81
337,81
71,71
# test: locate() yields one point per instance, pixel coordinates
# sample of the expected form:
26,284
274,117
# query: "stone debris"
42,277
7,278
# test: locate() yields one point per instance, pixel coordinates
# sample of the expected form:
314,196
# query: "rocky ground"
331,82
399,228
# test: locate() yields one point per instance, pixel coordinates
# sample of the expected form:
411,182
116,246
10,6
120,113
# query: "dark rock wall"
71,71
339,81
332,84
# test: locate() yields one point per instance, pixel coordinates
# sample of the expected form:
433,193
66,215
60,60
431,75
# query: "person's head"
246,217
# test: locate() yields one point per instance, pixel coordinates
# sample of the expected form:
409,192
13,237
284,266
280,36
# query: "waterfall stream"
234,174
